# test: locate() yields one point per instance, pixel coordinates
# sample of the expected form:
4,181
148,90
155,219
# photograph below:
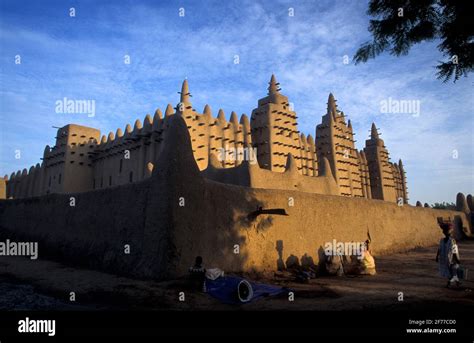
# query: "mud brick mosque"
164,189
82,160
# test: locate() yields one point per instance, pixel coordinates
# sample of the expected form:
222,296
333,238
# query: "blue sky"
82,57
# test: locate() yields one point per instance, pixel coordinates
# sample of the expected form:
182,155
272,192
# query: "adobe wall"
218,219
92,233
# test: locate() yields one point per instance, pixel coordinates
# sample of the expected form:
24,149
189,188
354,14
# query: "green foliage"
444,206
399,24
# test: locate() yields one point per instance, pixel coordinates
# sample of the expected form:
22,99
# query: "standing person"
448,255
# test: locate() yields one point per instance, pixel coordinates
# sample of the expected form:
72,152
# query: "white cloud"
306,53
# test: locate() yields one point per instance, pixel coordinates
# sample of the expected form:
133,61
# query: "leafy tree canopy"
399,24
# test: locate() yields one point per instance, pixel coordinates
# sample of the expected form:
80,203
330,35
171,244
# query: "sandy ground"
46,285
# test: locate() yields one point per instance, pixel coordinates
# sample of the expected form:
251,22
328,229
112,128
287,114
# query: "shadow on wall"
321,258
307,261
293,262
213,225
208,218
279,247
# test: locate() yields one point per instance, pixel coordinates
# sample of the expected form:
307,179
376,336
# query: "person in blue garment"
448,255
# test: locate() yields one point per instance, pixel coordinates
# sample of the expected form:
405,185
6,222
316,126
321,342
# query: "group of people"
447,258
356,265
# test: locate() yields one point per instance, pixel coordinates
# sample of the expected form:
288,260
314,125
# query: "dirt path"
27,284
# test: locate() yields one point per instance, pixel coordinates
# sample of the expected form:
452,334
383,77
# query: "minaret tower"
185,109
382,182
335,141
403,181
275,130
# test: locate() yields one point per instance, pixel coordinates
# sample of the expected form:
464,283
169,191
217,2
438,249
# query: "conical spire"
169,110
185,95
291,166
147,121
158,115
469,202
331,103
244,120
207,111
273,86
138,125
233,119
221,115
400,164
147,124
374,134
325,168
461,203
349,124
332,107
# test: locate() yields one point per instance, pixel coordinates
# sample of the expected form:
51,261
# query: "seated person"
198,274
334,265
364,264
367,262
